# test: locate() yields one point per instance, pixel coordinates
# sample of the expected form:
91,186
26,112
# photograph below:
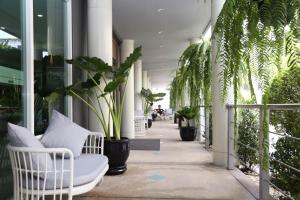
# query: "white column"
99,42
145,79
138,84
219,113
128,112
201,116
149,83
195,41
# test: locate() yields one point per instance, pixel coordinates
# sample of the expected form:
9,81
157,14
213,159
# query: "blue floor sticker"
156,177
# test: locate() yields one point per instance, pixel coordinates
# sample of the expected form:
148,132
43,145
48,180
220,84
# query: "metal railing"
264,174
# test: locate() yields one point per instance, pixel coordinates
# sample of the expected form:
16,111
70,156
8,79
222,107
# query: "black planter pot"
179,122
188,133
149,123
117,152
175,118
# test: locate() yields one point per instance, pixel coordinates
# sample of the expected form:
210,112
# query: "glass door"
11,83
49,56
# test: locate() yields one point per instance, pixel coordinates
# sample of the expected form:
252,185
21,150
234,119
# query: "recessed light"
2,28
161,46
40,15
160,10
160,32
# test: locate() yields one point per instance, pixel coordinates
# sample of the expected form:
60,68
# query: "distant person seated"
160,111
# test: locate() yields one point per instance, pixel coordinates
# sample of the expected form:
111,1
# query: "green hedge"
286,89
248,130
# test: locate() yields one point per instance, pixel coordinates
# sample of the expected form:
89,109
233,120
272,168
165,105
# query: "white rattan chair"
68,177
139,125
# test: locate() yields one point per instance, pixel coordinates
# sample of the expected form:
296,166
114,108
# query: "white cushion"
63,133
87,168
21,137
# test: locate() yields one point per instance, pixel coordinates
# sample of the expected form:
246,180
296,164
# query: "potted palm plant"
97,92
188,133
149,98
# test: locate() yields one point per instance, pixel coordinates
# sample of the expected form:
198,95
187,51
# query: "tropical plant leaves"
187,112
149,98
192,83
114,84
90,64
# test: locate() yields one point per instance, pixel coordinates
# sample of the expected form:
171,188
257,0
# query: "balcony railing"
232,144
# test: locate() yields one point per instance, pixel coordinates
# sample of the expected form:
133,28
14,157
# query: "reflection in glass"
11,84
49,59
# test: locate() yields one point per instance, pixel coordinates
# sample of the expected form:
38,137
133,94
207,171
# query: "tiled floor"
180,170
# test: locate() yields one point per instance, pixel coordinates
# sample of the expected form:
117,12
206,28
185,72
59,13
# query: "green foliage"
193,77
286,89
102,81
10,56
149,98
287,151
188,113
248,134
256,39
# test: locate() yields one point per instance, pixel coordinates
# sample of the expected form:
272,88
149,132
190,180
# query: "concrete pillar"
195,40
219,112
201,116
145,79
138,84
99,17
127,48
149,83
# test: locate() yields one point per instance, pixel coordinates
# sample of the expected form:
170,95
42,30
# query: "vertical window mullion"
27,62
68,54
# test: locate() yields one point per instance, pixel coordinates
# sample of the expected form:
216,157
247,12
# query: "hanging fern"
256,38
191,86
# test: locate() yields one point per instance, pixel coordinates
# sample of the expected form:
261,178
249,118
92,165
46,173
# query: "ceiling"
163,28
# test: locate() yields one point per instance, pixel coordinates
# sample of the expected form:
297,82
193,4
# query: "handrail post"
206,114
264,177
230,150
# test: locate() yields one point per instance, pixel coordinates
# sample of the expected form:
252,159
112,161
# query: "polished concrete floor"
180,170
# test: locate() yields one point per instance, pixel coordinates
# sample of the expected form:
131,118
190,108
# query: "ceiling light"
2,28
160,32
160,10
40,15
161,46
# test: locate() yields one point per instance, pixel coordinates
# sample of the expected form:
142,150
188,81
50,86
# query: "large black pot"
175,118
179,122
188,133
117,152
149,123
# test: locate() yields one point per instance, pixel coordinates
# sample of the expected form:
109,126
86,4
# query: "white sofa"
68,176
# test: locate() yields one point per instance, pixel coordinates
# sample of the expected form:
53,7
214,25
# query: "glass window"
11,84
48,59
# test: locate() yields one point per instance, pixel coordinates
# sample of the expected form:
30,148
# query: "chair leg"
100,182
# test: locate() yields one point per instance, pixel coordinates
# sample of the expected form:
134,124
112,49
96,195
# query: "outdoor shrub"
286,89
248,128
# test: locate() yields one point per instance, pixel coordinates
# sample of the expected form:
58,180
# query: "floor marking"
156,177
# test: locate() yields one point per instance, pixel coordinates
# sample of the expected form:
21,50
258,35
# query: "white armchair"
67,176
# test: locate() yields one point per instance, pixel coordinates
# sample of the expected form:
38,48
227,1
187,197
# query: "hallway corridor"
180,170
